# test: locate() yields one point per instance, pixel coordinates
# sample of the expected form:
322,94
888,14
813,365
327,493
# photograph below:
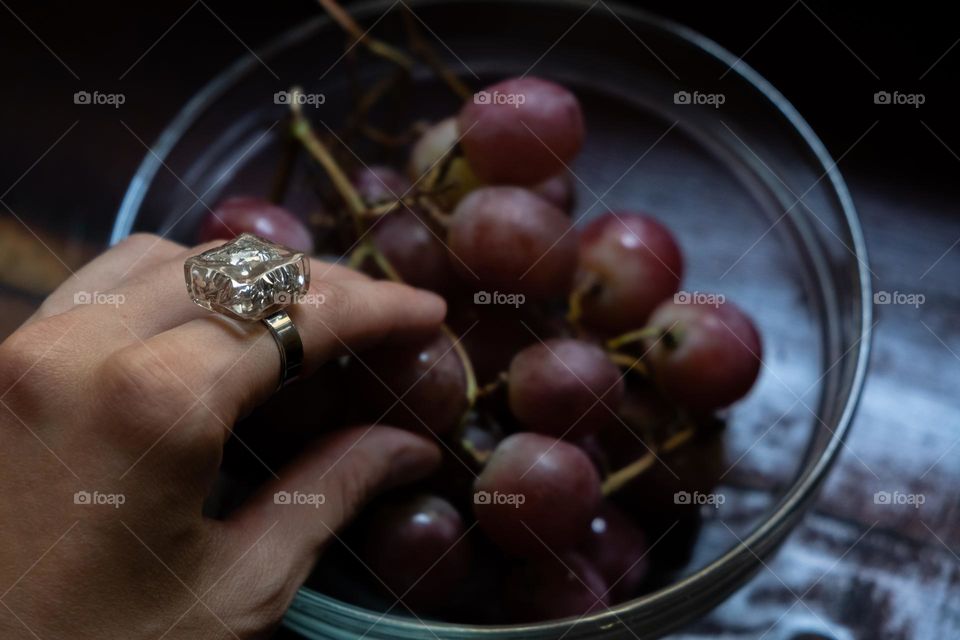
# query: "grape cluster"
574,393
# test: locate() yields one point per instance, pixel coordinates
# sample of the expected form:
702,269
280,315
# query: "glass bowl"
676,126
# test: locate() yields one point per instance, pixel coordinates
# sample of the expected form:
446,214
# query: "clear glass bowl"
727,178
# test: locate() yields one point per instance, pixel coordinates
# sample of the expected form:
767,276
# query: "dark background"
828,58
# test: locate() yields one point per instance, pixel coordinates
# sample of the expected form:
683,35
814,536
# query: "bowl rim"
767,535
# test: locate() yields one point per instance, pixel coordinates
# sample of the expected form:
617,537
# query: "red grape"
513,241
418,548
378,184
536,494
427,376
550,588
413,250
711,356
617,547
521,130
246,214
557,190
565,388
629,263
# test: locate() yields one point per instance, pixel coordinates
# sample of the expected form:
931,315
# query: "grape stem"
467,364
621,477
635,336
575,302
281,179
377,47
304,132
420,46
480,457
492,386
628,362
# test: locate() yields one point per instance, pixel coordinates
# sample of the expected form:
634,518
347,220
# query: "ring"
252,279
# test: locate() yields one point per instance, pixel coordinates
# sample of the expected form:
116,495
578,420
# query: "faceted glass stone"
248,278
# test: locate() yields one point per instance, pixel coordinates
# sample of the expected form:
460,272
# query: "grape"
536,494
629,263
427,375
513,241
617,547
526,131
454,479
694,467
418,548
413,250
459,178
247,214
494,333
550,588
379,184
711,356
565,388
557,190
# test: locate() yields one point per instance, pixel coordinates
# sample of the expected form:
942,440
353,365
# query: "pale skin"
137,400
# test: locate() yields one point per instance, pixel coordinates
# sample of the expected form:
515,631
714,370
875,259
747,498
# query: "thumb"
323,490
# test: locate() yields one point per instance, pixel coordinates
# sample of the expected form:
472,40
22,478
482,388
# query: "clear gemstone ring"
252,279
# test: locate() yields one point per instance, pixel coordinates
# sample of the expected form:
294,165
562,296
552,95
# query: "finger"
235,366
133,256
325,488
158,301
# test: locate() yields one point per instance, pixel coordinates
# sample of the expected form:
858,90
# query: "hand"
113,418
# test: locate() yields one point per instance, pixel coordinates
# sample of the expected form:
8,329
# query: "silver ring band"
288,340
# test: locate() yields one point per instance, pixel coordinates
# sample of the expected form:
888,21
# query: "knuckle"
135,380
34,355
142,243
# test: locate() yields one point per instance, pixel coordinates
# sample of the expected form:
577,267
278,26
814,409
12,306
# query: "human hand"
113,420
